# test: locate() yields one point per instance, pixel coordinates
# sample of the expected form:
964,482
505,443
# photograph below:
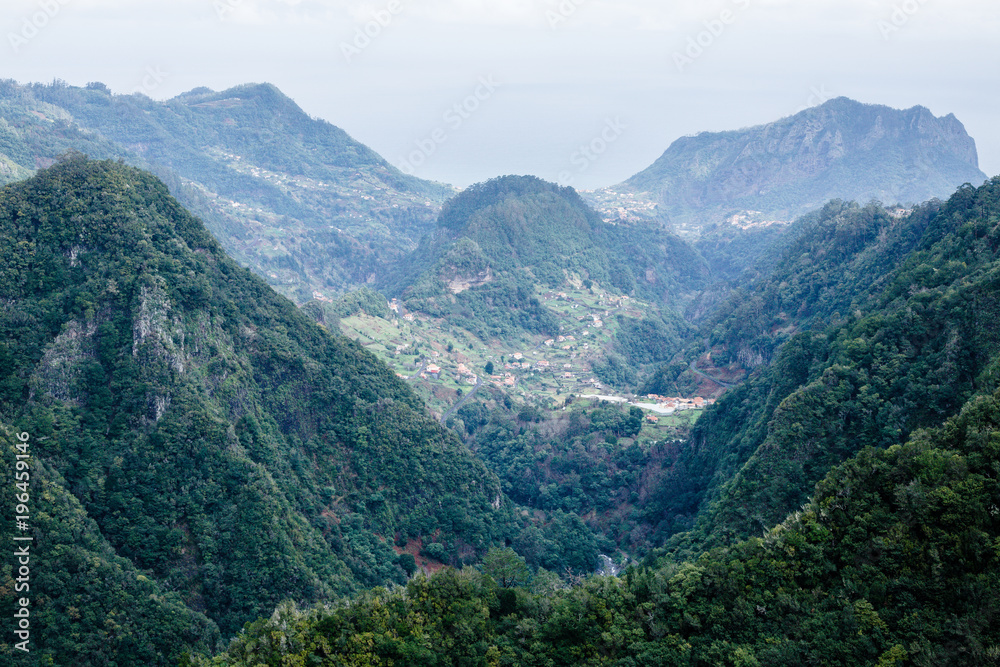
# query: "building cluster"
677,403
754,220
466,375
505,380
319,296
618,207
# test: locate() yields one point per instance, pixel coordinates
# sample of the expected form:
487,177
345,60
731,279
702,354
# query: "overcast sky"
533,80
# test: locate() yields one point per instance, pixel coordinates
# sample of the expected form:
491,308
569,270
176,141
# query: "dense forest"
915,341
218,479
895,560
214,450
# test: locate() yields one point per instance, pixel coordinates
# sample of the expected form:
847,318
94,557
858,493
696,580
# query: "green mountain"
823,268
203,453
839,150
842,502
894,561
294,198
498,241
201,449
900,338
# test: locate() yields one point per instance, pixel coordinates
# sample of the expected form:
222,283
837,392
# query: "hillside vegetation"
497,242
895,560
295,198
196,428
915,341
840,506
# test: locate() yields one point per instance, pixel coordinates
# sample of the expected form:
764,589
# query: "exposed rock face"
840,150
59,369
459,284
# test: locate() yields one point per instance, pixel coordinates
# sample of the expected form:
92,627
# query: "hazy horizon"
459,91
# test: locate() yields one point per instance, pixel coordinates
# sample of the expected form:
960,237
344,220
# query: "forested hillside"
197,439
498,241
299,201
895,561
865,453
828,266
913,340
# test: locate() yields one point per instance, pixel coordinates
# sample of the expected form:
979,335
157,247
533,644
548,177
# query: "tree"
408,563
505,567
489,368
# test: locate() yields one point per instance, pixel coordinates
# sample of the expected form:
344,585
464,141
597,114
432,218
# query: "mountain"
841,149
893,334
844,496
294,198
201,449
498,241
826,266
894,561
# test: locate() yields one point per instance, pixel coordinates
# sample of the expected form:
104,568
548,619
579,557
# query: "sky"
583,92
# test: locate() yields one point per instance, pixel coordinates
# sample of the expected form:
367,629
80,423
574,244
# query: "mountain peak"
841,149
158,352
458,210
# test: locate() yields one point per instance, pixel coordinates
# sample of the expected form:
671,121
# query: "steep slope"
34,133
818,271
89,606
839,150
295,198
230,449
829,265
894,561
498,240
914,348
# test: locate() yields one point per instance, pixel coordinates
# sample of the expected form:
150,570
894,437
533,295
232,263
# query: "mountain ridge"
295,198
841,149
225,445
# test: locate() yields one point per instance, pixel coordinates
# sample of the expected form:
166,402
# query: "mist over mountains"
841,149
792,457
293,197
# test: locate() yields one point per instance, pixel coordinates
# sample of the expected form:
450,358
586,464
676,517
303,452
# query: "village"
448,365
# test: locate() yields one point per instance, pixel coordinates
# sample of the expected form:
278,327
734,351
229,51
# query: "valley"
446,364
346,416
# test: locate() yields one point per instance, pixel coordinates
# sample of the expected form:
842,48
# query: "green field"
544,371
